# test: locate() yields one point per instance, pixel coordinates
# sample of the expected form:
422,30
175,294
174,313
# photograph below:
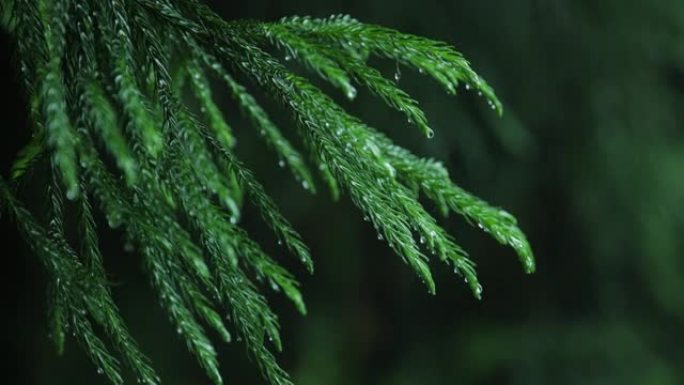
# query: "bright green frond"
113,129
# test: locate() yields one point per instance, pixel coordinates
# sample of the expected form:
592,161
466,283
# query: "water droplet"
114,222
351,93
467,86
422,239
305,185
72,194
281,163
380,238
430,133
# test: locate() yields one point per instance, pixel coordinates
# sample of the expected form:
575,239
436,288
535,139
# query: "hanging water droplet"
430,133
380,238
288,57
72,194
114,222
351,93
281,163
305,185
280,242
422,239
467,86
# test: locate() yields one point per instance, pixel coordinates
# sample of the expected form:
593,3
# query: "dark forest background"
589,156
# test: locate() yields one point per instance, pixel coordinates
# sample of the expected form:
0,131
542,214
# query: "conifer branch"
105,83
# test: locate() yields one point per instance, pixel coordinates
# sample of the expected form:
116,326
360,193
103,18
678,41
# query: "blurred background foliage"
589,157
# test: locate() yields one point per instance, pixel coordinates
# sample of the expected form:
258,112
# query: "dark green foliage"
105,81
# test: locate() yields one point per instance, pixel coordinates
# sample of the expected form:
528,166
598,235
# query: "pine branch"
105,83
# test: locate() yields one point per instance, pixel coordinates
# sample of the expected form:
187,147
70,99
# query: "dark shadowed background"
589,156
